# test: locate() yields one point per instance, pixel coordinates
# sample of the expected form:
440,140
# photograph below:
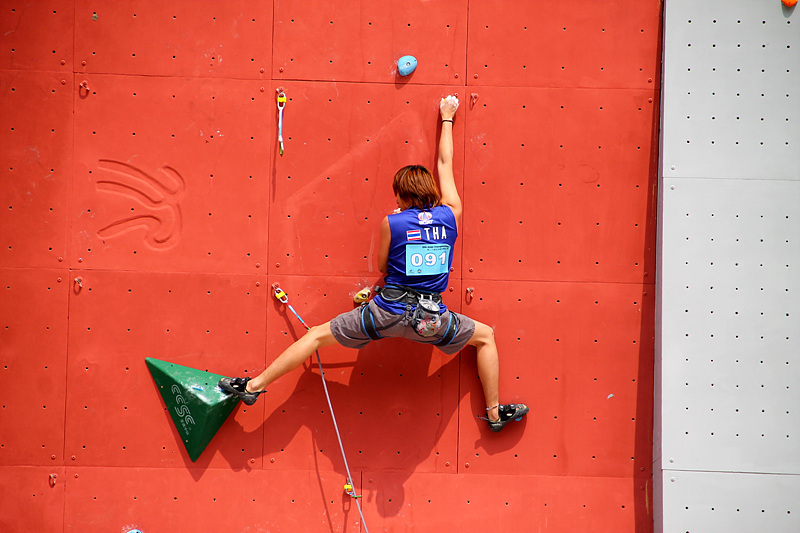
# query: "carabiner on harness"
281,105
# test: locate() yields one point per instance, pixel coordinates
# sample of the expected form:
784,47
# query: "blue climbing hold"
406,65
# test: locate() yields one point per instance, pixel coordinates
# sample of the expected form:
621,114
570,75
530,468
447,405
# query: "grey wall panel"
731,102
727,421
716,502
730,319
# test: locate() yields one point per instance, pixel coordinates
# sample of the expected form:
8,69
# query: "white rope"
341,446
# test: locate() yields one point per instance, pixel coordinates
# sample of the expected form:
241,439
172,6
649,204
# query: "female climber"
415,255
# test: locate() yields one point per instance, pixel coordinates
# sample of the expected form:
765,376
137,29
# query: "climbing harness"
368,323
424,318
281,105
348,487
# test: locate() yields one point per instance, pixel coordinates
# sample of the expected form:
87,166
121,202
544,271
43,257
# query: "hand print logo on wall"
160,196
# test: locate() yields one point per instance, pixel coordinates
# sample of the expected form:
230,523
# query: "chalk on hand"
406,65
451,100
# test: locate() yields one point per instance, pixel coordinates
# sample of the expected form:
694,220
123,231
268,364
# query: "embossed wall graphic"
171,174
159,195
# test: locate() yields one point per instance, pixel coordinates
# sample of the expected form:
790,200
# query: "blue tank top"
420,252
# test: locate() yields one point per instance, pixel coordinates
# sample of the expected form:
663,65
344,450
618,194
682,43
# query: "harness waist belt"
406,295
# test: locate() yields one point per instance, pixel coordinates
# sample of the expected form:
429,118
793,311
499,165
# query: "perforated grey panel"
714,502
731,90
731,325
727,421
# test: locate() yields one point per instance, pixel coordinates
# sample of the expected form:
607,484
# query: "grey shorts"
346,328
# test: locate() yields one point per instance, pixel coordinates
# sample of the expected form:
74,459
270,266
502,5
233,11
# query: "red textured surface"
170,174
203,38
505,503
177,499
579,352
610,44
32,500
116,416
36,176
362,41
37,36
33,354
147,181
573,171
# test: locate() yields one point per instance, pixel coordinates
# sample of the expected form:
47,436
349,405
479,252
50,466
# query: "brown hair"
415,185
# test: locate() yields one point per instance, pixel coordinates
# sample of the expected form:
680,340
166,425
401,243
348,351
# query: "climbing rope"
281,105
349,485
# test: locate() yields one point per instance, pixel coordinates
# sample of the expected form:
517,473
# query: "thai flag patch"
414,235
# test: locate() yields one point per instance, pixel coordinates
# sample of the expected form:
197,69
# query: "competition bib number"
427,259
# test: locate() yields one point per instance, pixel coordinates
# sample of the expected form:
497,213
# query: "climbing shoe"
508,412
238,386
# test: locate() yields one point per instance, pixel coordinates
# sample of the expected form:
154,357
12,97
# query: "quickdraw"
282,298
281,105
348,487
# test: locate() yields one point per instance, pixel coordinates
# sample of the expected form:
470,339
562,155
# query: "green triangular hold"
197,406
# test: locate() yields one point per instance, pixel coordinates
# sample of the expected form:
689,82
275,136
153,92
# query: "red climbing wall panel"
362,41
505,503
542,153
202,38
146,212
579,353
209,322
36,121
611,44
33,342
37,36
32,498
170,174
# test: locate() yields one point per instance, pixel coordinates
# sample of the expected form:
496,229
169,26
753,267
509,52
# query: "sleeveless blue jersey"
420,252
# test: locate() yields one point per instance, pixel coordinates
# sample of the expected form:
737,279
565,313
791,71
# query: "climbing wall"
727,376
146,212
